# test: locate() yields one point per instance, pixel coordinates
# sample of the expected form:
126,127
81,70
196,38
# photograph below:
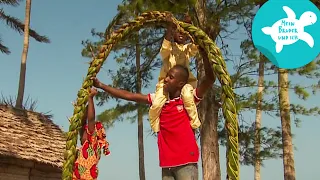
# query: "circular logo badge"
287,32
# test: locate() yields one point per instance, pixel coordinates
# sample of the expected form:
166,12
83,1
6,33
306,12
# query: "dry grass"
29,104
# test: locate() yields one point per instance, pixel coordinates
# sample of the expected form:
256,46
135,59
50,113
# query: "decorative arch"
216,60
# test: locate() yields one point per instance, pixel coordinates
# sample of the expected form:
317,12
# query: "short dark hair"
184,72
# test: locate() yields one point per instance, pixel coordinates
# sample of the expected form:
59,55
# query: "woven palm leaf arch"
198,37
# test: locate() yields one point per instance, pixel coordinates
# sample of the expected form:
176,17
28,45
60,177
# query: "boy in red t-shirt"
177,145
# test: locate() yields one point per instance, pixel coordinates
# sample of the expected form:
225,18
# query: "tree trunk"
140,116
257,164
288,159
23,66
209,139
208,114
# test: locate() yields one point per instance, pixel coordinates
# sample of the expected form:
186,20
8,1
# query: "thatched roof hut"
31,146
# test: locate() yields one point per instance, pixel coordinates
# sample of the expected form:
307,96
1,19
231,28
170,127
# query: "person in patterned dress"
93,143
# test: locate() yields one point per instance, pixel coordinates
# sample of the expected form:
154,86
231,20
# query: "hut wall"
16,169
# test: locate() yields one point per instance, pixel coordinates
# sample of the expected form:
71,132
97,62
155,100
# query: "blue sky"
55,72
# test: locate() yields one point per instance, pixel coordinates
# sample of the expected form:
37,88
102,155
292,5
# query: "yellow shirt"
174,53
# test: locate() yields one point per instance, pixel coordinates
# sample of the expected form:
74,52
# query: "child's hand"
187,19
169,18
96,82
170,21
93,92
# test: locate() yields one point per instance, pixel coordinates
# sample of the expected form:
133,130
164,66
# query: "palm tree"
16,25
23,67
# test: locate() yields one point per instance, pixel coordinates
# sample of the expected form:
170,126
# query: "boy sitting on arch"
175,53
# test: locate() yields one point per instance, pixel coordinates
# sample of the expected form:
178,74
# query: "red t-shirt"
177,144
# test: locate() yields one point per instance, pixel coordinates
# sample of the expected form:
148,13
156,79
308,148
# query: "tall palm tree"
16,25
23,67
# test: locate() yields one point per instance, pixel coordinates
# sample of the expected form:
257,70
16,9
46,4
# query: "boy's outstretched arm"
91,114
209,77
123,94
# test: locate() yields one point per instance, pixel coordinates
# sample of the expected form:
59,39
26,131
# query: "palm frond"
11,2
112,25
18,26
4,49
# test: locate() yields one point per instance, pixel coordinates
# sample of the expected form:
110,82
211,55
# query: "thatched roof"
30,136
